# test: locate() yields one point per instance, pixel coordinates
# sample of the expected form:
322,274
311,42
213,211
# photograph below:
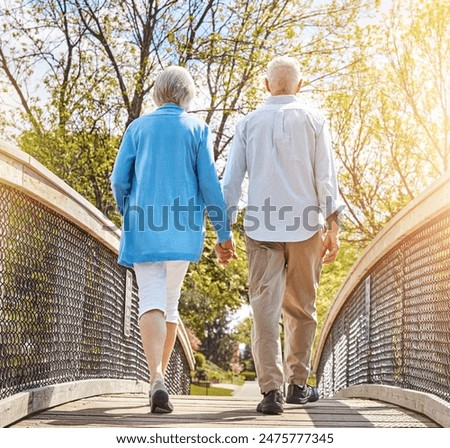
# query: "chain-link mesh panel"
386,331
325,371
340,349
358,339
345,355
426,316
62,297
407,341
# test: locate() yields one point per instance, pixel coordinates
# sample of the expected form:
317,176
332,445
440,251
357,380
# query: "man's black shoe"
272,403
301,394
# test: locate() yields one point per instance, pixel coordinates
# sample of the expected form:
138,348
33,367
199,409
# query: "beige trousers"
283,280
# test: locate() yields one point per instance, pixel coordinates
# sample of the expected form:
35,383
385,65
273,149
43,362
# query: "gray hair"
283,75
174,85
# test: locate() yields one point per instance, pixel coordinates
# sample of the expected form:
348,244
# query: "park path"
250,389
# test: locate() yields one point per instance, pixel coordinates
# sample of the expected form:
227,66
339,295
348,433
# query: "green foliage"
249,376
214,374
83,160
200,360
242,332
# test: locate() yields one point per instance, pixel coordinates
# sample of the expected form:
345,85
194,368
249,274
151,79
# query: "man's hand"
226,251
330,244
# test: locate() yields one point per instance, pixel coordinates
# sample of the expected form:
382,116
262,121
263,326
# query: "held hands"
226,251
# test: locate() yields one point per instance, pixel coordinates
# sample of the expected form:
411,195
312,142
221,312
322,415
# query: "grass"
215,372
215,391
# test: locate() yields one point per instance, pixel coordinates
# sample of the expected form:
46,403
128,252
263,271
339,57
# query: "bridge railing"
68,311
389,324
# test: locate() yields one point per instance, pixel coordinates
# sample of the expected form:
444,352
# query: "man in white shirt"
292,194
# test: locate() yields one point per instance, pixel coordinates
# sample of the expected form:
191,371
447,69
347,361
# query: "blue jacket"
163,178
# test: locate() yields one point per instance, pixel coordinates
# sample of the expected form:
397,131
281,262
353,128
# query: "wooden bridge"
69,347
132,411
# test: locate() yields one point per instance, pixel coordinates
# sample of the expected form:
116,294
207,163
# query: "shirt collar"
169,106
281,99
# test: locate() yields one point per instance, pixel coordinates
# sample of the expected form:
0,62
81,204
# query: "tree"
370,180
242,332
419,58
65,121
242,335
98,59
389,114
244,35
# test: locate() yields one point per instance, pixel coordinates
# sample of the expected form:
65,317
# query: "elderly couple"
163,179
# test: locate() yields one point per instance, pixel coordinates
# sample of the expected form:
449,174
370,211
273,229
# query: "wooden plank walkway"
132,411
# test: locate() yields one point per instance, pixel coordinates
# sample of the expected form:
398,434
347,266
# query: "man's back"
285,149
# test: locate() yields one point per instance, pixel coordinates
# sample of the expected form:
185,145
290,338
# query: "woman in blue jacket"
163,179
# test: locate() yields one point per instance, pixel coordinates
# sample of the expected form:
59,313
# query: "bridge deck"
132,411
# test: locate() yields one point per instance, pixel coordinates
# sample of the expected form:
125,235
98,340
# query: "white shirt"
292,187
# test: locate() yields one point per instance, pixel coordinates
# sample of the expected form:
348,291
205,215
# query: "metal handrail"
68,311
389,323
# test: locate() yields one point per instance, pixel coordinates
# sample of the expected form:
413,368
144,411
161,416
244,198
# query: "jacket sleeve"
123,171
210,188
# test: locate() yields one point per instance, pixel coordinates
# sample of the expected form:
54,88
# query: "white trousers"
159,284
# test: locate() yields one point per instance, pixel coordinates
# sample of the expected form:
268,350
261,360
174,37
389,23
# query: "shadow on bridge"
132,411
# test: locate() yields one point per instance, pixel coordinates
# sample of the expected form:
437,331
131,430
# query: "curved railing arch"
68,311
387,333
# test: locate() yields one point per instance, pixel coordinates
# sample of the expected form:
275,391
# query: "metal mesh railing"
394,328
62,305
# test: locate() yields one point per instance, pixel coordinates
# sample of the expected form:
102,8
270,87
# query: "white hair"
283,75
174,85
